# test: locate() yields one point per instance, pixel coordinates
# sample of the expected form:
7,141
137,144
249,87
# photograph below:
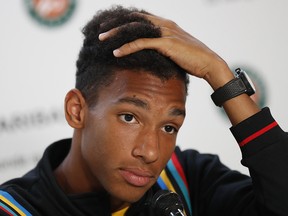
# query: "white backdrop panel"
37,67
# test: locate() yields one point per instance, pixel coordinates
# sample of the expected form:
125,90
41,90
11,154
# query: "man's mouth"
136,177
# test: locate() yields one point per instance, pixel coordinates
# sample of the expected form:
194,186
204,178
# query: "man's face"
130,133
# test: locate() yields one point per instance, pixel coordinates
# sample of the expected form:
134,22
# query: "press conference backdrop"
40,41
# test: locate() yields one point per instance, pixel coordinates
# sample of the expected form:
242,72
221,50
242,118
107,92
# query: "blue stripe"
7,209
180,183
12,200
161,183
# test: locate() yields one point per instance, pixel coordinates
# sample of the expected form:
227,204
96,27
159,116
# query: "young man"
126,109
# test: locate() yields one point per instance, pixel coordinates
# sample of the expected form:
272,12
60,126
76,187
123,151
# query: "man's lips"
136,177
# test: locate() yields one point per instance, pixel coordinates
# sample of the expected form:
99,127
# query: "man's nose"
147,146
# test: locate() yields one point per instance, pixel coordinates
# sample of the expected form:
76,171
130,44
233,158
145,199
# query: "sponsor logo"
18,161
33,119
51,12
226,1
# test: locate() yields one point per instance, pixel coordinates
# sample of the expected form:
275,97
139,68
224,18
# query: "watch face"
250,81
247,82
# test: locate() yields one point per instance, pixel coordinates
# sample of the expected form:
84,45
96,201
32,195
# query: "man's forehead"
138,102
130,82
126,74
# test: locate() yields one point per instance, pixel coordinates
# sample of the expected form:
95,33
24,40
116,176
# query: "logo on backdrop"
51,12
33,119
226,1
261,95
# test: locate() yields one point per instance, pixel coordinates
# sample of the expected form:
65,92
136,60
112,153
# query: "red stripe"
179,169
3,209
258,133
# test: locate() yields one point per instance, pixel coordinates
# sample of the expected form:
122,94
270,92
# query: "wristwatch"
241,84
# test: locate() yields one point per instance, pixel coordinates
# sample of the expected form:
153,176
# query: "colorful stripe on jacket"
174,167
10,206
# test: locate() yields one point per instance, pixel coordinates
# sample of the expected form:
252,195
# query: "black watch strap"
230,90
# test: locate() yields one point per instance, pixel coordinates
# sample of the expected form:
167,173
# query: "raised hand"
182,48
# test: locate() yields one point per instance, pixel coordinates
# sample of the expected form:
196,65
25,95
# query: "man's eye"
170,129
128,118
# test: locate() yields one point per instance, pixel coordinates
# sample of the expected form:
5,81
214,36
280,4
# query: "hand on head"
181,47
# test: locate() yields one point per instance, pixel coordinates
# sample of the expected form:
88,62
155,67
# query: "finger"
105,35
168,32
158,21
135,46
167,27
112,32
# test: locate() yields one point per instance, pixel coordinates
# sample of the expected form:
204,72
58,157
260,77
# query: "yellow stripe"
166,180
12,205
120,212
168,183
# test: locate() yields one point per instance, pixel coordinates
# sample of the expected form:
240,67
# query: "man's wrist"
239,85
219,76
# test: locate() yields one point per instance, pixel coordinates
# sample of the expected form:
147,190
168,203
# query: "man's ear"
75,106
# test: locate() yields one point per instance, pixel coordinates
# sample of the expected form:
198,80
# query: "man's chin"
129,196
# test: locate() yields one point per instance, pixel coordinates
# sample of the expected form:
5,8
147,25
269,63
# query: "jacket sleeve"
264,147
216,190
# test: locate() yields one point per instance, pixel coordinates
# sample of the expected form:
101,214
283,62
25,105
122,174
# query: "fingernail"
102,36
117,53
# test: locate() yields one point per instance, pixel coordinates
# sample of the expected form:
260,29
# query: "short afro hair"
96,64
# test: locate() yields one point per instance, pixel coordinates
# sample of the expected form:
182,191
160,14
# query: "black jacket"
205,185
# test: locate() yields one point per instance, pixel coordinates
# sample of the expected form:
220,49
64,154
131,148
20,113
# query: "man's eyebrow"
177,112
135,101
142,104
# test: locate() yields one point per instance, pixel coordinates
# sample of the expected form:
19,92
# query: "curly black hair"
96,64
